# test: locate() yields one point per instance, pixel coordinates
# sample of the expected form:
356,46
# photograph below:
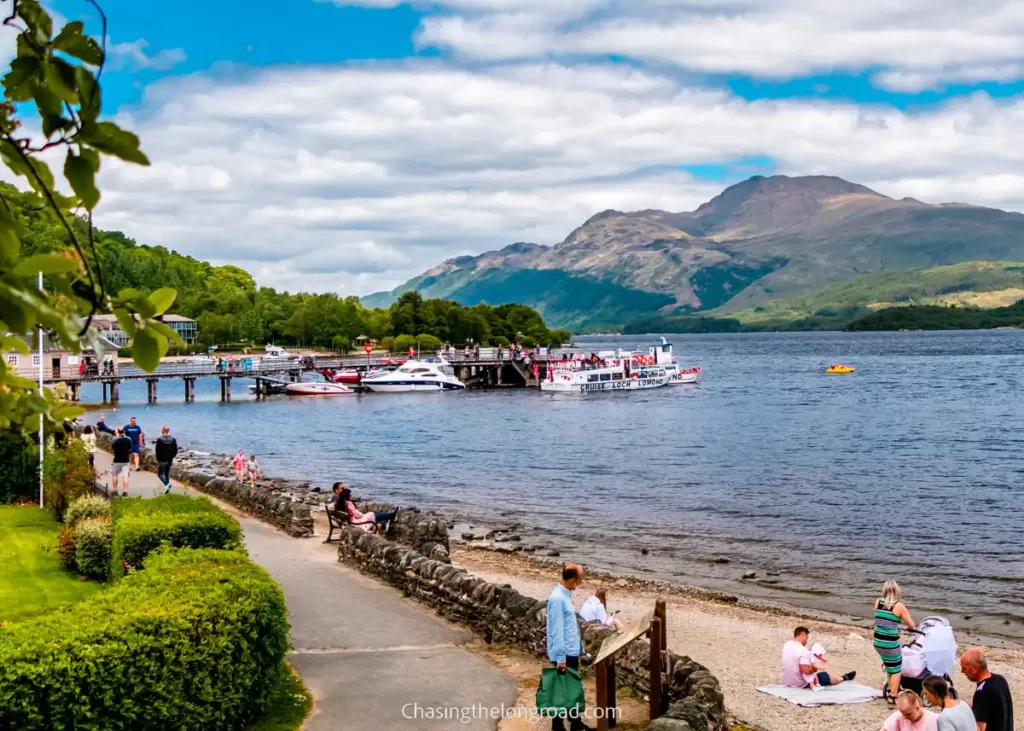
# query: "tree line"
231,309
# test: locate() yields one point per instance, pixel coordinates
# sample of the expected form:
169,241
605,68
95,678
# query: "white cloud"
354,178
917,43
134,56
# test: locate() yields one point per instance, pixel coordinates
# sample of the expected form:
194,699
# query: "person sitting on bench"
362,521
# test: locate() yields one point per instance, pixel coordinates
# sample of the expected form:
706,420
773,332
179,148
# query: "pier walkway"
362,650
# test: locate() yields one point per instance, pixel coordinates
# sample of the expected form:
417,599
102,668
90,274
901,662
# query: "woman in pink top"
363,521
239,464
911,715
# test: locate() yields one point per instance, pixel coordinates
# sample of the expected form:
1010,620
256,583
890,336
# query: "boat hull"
626,384
411,387
317,389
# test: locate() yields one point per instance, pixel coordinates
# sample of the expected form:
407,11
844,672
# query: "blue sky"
378,137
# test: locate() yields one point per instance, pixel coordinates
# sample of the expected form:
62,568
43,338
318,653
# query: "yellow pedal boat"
839,368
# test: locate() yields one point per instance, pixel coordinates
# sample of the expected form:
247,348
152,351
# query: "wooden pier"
486,371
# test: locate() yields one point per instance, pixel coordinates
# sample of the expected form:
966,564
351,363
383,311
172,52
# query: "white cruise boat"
663,356
624,373
414,375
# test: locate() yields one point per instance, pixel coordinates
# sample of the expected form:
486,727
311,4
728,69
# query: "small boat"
318,388
414,375
677,375
839,368
346,375
270,388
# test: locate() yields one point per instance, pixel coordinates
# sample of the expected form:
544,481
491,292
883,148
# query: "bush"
181,522
196,641
387,344
19,467
94,547
84,508
67,544
428,343
402,343
67,475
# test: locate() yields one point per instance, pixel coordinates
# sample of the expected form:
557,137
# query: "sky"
348,145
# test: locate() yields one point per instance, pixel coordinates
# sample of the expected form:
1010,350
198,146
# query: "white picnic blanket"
835,695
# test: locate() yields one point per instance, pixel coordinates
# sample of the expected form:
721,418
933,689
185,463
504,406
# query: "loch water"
826,486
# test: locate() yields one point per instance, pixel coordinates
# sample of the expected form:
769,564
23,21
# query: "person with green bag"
560,694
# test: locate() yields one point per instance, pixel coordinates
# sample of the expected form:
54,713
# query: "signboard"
368,348
633,630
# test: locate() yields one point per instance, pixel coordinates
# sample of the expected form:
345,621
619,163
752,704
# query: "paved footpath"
365,653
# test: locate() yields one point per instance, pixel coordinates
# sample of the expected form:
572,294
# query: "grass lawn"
289,706
32,580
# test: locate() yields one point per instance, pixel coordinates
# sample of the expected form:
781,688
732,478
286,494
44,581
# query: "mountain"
760,240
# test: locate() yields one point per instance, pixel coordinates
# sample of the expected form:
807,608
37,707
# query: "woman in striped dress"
889,614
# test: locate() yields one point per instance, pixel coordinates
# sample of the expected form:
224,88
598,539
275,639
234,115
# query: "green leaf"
25,164
47,264
107,137
55,123
82,176
20,80
72,41
67,412
162,299
126,321
21,382
60,79
37,20
48,103
89,96
148,348
12,343
167,331
10,238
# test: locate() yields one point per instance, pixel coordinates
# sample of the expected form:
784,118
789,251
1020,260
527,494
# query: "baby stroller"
932,651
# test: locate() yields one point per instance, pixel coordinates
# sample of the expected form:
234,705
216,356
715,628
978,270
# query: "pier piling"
151,390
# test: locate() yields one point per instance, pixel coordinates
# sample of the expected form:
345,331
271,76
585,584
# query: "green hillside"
982,284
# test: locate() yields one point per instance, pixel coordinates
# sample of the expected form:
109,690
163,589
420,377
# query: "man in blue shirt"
564,644
134,432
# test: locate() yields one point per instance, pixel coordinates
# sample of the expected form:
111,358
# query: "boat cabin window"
420,370
606,376
592,377
617,376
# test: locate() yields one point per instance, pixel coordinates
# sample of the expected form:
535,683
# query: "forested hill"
231,308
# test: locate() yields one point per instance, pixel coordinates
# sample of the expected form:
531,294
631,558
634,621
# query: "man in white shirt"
800,669
595,610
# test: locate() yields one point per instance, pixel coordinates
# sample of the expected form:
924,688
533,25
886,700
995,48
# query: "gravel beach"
741,645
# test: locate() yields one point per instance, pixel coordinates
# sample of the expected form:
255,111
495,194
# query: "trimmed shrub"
67,475
428,343
196,641
142,526
402,343
94,542
67,544
84,508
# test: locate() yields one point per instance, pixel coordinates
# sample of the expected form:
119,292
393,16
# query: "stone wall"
499,613
288,504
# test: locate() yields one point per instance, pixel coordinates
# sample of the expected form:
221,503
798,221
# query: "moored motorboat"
414,375
317,388
346,375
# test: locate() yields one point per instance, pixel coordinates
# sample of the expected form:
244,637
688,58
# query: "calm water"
908,469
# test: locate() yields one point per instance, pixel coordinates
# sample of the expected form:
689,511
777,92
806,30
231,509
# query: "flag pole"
40,330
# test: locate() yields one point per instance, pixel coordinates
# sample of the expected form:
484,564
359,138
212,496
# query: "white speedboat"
317,388
414,375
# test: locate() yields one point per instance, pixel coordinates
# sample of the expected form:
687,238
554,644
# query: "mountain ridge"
764,238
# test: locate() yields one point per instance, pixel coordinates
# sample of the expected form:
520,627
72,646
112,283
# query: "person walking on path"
992,704
564,643
239,464
954,715
134,432
122,449
89,440
166,450
890,613
253,468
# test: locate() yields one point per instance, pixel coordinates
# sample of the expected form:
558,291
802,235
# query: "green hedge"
93,548
141,526
196,641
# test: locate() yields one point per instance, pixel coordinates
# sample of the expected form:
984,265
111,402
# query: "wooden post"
104,384
606,702
151,390
114,392
654,667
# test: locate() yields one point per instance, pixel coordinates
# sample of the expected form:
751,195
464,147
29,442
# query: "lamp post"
40,329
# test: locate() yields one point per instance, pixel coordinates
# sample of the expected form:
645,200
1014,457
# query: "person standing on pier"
166,450
564,643
134,432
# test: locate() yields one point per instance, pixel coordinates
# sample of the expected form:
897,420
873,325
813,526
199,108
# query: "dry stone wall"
499,613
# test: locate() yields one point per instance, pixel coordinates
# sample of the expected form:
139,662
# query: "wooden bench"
338,519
